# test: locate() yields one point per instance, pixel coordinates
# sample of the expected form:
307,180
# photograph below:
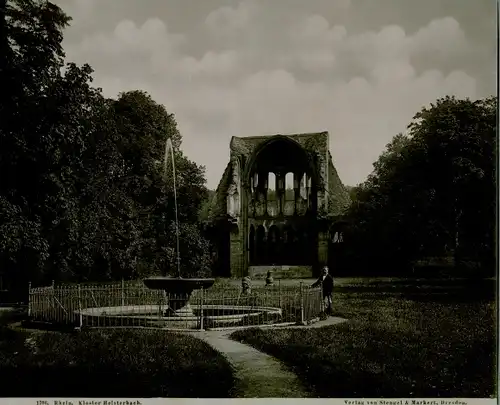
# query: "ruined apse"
277,207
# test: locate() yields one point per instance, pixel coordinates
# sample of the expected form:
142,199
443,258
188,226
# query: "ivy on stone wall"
316,143
219,203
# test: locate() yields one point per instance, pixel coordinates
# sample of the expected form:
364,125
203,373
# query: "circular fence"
132,304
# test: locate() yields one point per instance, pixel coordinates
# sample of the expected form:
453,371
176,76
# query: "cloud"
441,35
227,20
128,46
211,64
255,76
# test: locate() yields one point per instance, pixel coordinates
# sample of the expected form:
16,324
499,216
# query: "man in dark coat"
326,282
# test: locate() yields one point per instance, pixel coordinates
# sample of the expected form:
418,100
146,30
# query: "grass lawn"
110,363
410,338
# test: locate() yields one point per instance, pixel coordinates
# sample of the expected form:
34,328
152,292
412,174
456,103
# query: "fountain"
181,288
178,290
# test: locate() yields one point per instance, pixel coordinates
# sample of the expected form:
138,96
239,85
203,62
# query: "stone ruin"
278,207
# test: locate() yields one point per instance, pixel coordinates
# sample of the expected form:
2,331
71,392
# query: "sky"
359,69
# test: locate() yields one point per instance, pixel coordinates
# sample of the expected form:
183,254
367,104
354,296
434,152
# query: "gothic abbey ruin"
278,206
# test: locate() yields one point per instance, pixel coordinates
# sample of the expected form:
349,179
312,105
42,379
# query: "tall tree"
84,198
432,192
144,126
32,56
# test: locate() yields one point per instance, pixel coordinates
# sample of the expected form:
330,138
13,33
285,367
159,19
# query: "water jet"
178,288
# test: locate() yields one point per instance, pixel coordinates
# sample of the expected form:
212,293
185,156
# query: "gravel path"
259,375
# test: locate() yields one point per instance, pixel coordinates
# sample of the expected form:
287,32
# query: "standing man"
326,282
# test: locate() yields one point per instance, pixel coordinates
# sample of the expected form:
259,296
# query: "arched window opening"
289,253
289,192
338,237
272,200
273,243
271,182
260,245
289,195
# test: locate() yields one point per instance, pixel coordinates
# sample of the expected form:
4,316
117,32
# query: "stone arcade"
278,207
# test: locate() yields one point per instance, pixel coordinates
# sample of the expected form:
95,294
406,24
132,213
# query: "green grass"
110,363
407,339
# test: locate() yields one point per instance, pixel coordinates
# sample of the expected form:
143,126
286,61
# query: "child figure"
269,279
246,285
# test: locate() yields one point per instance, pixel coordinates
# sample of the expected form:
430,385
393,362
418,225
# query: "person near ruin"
326,283
269,279
246,285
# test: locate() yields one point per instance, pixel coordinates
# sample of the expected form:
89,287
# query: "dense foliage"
83,194
82,191
432,192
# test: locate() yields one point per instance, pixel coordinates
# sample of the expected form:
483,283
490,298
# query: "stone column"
308,191
265,186
280,191
236,251
253,245
246,196
322,248
297,178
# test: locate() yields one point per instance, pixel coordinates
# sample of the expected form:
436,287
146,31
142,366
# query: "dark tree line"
82,193
83,198
432,192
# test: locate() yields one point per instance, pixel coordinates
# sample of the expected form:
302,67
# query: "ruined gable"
274,204
218,206
338,195
333,198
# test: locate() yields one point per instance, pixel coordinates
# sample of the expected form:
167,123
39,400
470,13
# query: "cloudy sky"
359,69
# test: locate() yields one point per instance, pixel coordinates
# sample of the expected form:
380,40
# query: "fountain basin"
147,315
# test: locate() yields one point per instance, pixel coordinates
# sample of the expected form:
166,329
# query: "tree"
422,198
204,214
460,137
85,199
144,126
32,57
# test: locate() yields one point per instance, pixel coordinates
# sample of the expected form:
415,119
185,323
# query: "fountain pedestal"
174,310
180,290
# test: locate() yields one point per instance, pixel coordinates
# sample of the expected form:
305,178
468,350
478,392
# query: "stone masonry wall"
230,201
